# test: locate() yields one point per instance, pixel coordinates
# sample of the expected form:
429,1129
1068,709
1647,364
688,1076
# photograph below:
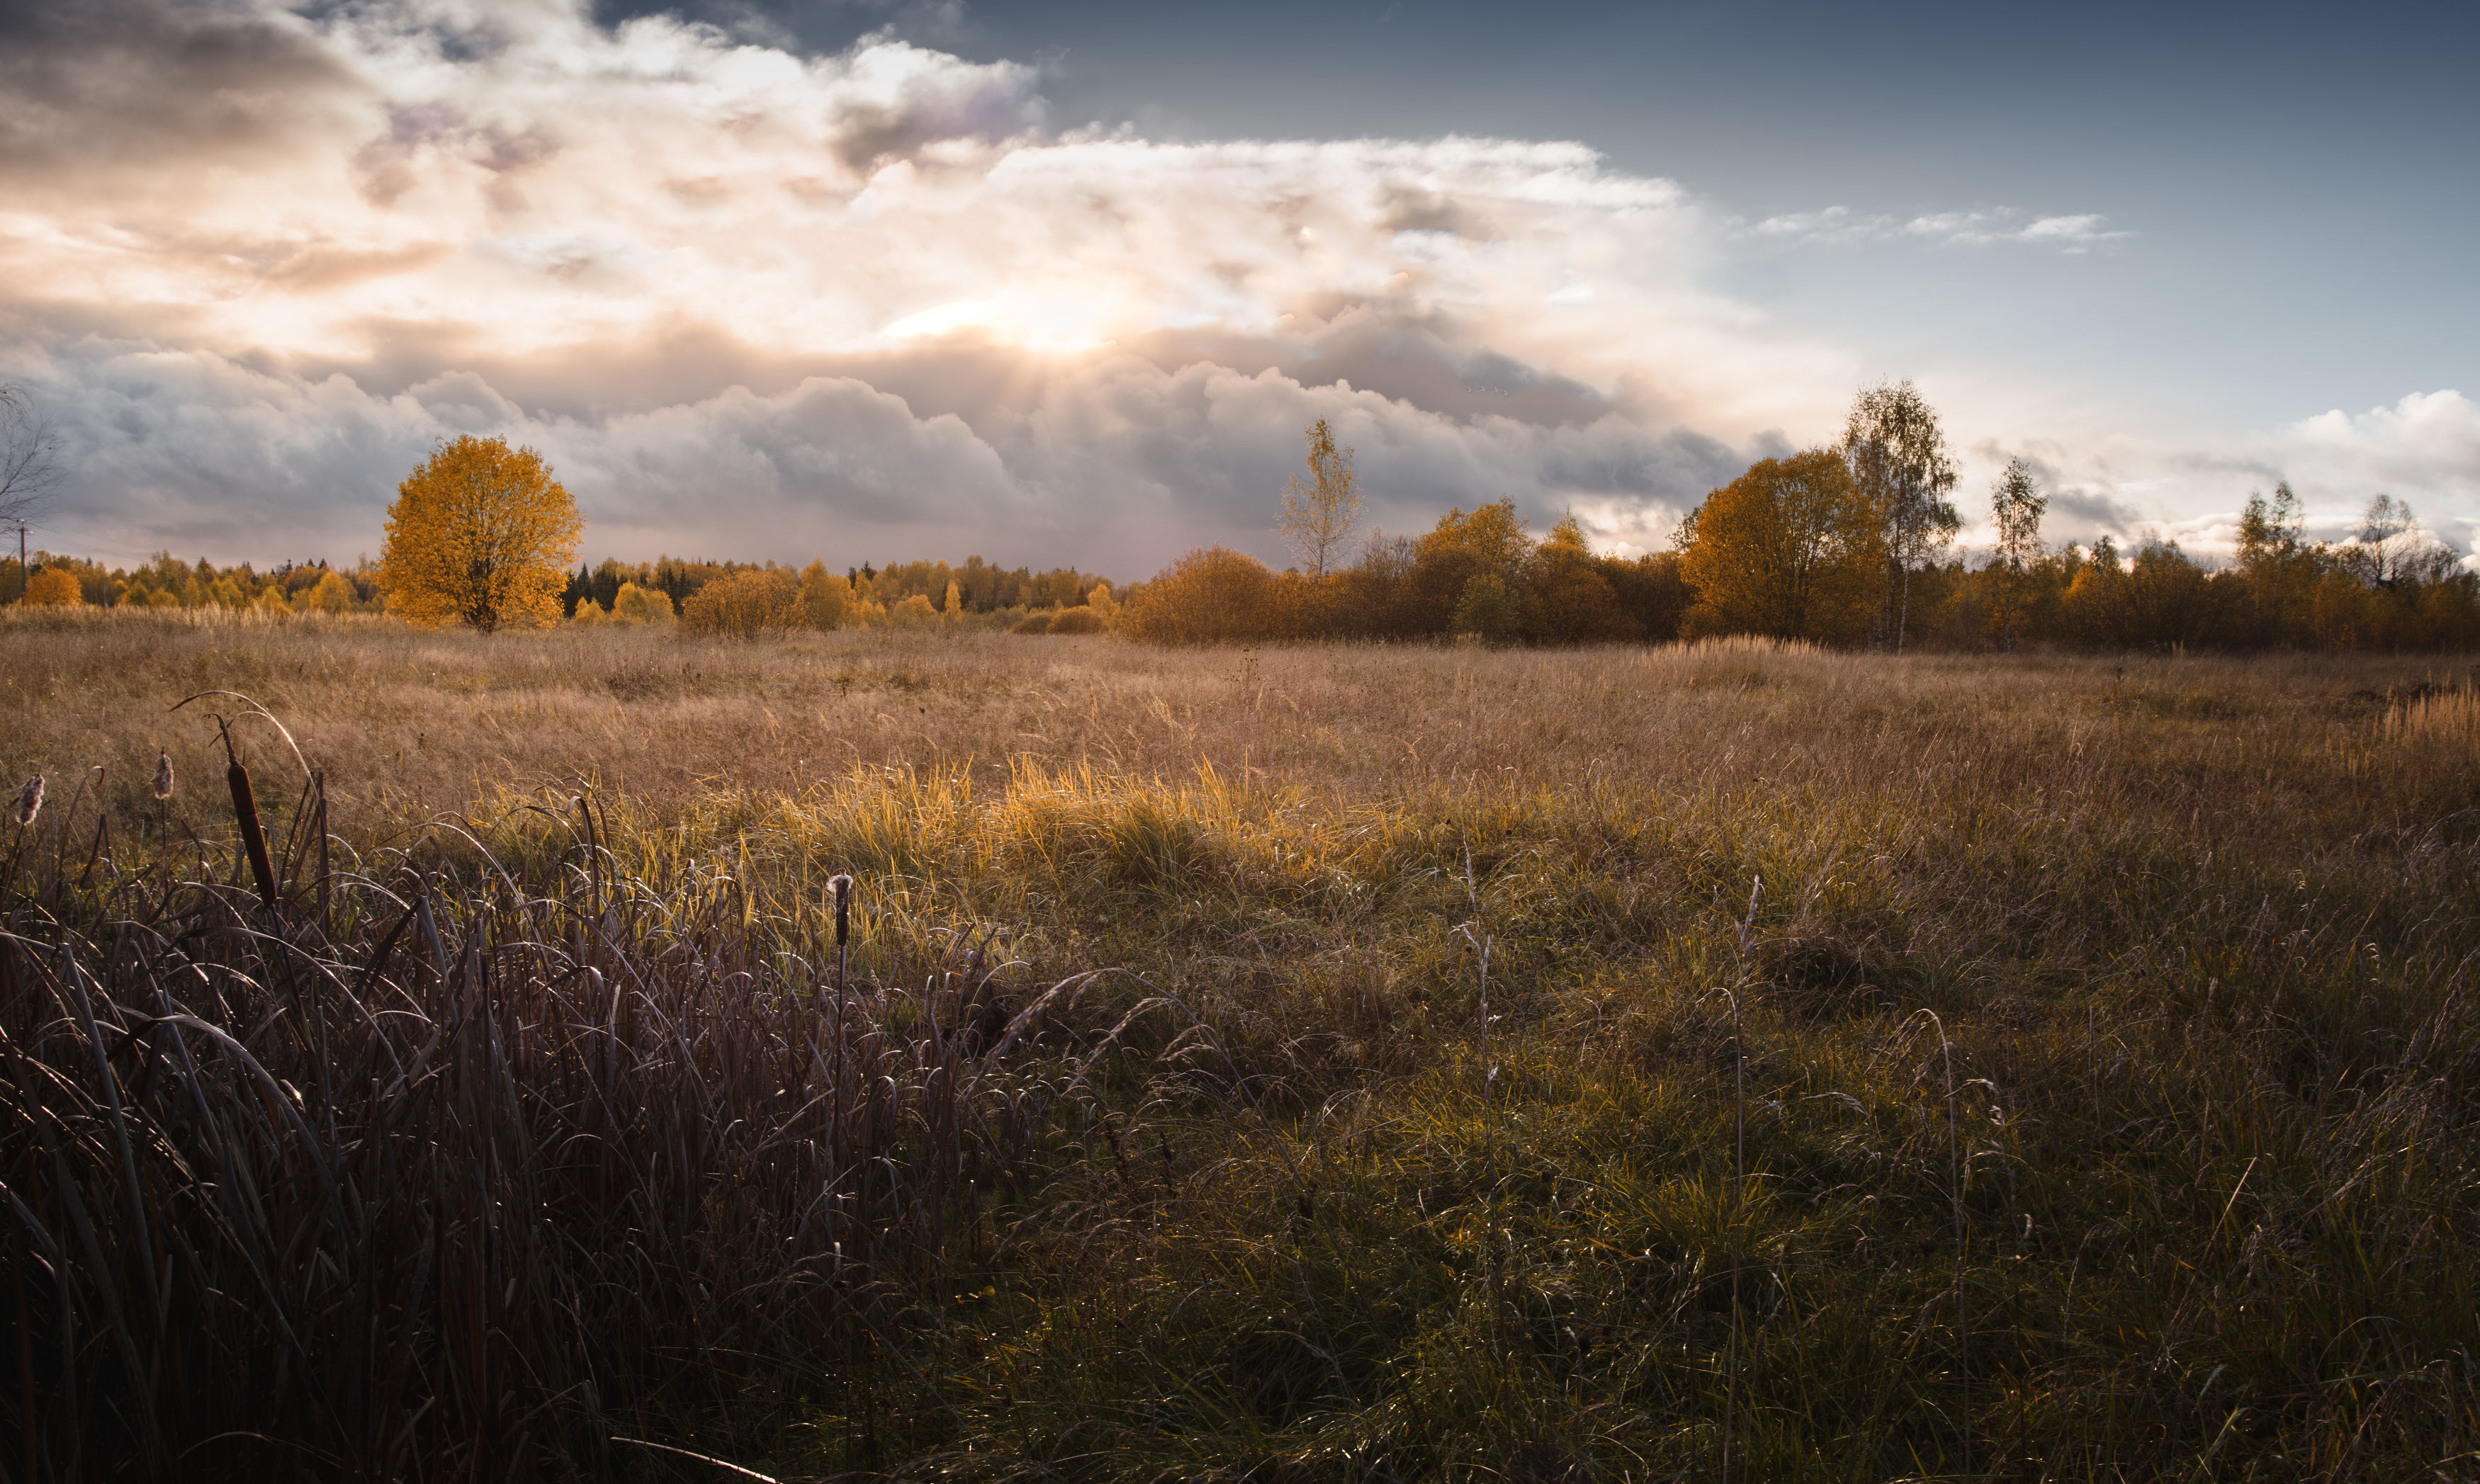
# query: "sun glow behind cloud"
862,297
558,185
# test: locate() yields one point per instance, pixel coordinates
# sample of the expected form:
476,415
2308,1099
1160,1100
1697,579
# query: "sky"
1061,284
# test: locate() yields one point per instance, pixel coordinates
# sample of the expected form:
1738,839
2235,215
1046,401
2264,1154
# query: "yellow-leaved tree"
825,596
746,605
480,534
1791,549
53,587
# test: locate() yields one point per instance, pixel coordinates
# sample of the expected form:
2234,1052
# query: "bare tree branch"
30,468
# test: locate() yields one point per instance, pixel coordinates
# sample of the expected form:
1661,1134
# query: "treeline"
1798,548
978,586
2392,587
741,597
1479,573
2397,590
1846,545
166,581
748,601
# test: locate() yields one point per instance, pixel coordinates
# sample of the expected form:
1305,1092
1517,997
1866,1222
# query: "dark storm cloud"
96,92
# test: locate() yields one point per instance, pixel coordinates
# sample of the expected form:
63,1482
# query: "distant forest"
2394,587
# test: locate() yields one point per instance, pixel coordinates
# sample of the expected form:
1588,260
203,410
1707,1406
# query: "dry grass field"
1359,1063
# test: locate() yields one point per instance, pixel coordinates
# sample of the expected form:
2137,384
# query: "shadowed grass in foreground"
2108,1066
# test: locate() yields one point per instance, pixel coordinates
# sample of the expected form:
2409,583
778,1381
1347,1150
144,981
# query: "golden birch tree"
481,535
1318,515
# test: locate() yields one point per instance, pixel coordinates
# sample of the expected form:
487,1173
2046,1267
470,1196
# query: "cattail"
839,884
30,801
163,775
253,835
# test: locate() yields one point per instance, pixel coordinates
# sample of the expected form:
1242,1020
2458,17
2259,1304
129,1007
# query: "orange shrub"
1206,596
53,587
744,606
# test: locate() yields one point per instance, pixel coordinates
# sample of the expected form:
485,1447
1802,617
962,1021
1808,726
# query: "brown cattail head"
253,835
841,885
30,801
163,775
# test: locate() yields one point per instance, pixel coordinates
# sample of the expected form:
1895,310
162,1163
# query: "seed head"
163,775
30,801
840,885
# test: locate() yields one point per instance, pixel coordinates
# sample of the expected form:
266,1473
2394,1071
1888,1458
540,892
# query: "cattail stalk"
163,794
1957,1170
841,885
30,803
1738,1169
253,836
319,783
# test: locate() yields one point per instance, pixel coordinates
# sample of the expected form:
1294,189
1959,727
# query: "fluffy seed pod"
841,885
30,801
163,775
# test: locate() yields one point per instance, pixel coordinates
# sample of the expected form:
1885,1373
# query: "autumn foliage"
1211,595
1478,573
1788,549
745,606
481,535
52,588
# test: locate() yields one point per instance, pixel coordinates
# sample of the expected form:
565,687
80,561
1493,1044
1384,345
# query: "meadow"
1397,1062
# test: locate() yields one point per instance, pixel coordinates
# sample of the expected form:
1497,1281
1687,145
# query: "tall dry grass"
545,1149
409,723
2172,1179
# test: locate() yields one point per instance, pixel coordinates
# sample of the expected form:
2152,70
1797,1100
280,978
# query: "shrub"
1080,620
826,599
744,606
634,605
1209,595
1489,609
53,587
332,595
1033,624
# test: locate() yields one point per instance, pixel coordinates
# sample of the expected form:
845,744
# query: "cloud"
732,290
2428,439
254,260
1112,462
2427,444
2424,448
2002,225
